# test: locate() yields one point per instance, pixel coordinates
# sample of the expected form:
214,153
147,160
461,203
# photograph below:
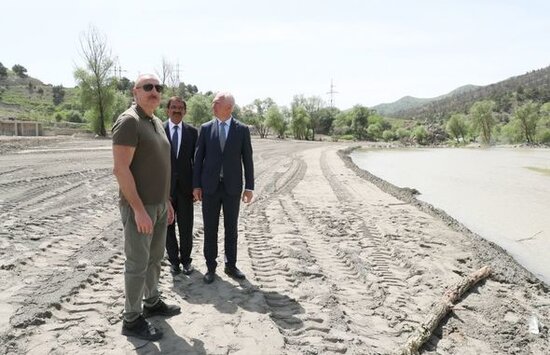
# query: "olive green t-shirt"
150,165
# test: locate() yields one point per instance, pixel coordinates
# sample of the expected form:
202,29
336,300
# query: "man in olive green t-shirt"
141,155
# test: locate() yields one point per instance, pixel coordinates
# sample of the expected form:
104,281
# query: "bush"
347,137
543,136
3,71
20,70
75,116
388,136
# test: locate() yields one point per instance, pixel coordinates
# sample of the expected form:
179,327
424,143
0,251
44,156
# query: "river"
502,194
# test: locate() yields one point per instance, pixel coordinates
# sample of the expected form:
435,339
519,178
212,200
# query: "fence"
21,128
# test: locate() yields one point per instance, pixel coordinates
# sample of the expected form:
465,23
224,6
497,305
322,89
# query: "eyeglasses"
149,87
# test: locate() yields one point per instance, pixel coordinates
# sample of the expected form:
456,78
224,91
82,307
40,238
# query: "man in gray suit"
223,149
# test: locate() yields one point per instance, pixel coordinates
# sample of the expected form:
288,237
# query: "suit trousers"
183,208
144,254
211,206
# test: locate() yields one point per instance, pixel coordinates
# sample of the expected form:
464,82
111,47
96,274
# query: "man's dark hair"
176,98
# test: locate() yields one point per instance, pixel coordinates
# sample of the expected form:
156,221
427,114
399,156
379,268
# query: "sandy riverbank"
334,265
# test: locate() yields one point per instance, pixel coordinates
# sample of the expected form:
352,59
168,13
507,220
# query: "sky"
372,51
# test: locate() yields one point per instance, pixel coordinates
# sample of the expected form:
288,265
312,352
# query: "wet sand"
337,261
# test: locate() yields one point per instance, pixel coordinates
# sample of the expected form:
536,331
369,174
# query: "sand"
336,260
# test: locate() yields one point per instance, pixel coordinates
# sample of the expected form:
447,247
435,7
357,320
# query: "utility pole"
117,70
331,93
178,71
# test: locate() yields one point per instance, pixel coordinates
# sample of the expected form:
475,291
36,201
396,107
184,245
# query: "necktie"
222,135
175,141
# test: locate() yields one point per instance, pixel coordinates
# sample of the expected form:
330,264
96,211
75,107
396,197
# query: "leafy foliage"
527,117
20,70
199,109
360,121
3,71
483,120
58,93
300,122
457,127
97,86
276,121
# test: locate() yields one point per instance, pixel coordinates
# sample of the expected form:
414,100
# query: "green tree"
511,132
259,118
388,135
326,117
199,109
20,70
299,123
125,85
360,121
276,121
403,134
527,116
374,131
456,127
3,71
342,123
420,134
187,90
543,126
96,86
481,114
312,105
58,93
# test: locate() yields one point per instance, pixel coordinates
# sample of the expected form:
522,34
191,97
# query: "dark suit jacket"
182,167
237,154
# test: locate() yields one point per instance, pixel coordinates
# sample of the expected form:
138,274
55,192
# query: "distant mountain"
409,102
507,94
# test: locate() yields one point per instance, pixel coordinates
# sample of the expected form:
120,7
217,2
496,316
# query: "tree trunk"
440,309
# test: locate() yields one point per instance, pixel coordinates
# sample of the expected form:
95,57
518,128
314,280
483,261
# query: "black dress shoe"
175,269
234,272
161,309
142,329
188,269
209,277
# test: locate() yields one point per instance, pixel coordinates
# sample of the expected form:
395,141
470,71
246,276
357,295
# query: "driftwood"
439,310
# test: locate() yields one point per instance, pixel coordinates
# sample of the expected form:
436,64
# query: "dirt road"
333,264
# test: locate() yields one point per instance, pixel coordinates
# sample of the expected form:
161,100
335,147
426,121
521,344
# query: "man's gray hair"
227,96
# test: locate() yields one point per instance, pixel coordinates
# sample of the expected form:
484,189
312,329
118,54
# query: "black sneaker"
161,309
142,329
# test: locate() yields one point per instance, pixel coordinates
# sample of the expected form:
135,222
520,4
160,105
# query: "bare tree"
165,71
97,87
169,76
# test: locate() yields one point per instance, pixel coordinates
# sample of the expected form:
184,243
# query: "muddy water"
502,194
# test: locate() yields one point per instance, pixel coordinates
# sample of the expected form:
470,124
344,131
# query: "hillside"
534,85
31,99
410,102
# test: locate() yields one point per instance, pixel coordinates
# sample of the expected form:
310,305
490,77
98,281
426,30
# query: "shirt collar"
172,125
227,122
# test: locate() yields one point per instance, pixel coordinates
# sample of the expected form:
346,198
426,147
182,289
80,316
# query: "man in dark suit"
223,150
183,139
